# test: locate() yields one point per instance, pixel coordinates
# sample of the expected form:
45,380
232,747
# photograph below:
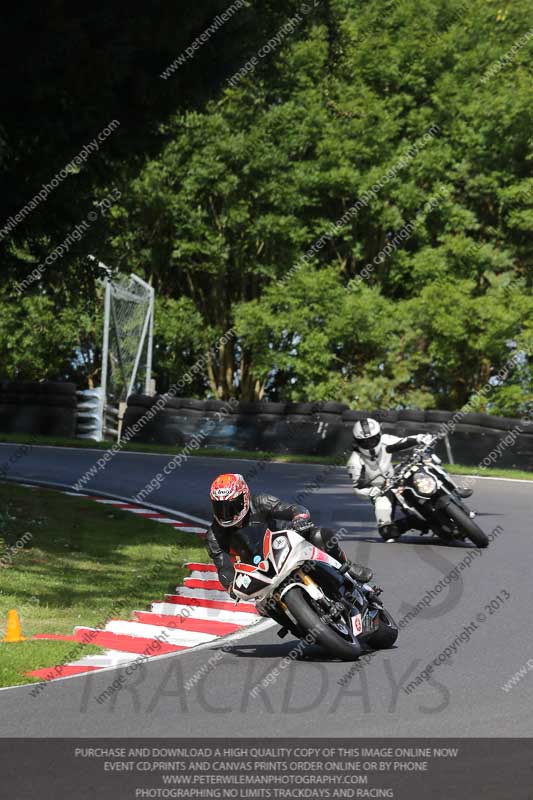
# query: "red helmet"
230,499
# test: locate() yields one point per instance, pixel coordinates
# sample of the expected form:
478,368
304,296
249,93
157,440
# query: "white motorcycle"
315,597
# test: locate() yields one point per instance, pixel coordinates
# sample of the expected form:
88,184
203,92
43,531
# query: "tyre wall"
46,409
323,429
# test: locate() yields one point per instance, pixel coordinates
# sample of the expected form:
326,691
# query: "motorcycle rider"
371,464
234,509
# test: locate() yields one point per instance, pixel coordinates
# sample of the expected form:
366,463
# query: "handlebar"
415,455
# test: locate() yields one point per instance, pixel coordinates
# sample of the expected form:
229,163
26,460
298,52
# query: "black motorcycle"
422,488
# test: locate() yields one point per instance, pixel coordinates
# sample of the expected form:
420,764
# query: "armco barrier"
326,429
47,408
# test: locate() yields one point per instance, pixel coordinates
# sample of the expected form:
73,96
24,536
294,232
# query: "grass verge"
79,563
18,658
253,455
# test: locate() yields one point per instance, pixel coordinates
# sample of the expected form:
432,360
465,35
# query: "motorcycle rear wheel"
309,620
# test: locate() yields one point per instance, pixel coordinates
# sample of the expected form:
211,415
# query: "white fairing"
287,551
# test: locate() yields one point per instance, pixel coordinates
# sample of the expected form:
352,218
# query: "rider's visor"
370,443
227,510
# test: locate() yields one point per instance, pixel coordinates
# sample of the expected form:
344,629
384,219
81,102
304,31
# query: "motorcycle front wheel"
386,633
444,521
467,526
297,601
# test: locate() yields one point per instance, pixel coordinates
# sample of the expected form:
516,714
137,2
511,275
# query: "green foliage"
178,342
42,338
236,217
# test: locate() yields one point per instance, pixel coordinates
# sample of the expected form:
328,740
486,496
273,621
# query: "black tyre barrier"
172,402
57,400
332,407
308,429
249,408
6,417
132,417
429,427
411,415
504,423
163,417
192,412
324,416
36,389
301,409
355,416
261,407
476,430
161,435
215,405
439,416
18,387
46,409
474,419
488,449
383,415
192,403
49,387
141,401
267,418
38,420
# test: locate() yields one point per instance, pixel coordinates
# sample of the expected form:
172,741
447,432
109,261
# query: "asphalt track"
309,695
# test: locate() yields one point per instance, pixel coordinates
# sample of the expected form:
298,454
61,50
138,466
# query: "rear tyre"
467,526
308,619
386,634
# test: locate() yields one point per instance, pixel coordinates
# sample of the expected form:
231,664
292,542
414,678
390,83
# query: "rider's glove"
231,592
374,492
302,524
424,438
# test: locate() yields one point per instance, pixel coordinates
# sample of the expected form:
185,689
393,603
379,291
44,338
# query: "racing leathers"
265,511
369,470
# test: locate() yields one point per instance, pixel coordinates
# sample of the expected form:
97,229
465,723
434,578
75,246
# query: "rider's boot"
464,492
413,522
357,571
390,532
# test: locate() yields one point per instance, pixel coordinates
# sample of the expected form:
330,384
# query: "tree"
359,205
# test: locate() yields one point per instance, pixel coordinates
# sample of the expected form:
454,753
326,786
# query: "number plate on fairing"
357,625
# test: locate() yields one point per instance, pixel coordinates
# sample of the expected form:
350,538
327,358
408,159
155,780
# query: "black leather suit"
265,511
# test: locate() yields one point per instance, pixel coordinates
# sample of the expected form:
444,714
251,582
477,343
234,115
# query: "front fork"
332,611
343,608
433,516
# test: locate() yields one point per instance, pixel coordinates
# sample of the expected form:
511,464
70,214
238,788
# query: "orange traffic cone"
13,630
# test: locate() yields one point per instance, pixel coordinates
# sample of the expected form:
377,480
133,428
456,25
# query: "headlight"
423,483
